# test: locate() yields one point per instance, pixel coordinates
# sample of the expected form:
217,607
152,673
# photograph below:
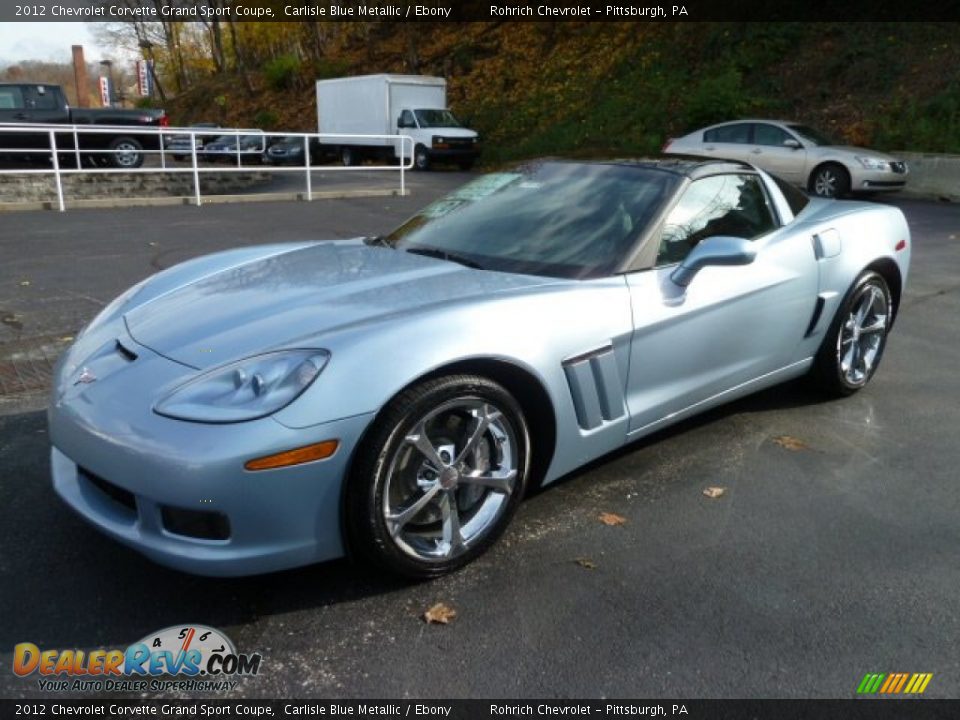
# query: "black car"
227,148
289,151
179,145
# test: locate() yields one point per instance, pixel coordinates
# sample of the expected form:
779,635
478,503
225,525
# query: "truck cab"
438,135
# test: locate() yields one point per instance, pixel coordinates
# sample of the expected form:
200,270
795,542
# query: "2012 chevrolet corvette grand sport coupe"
392,398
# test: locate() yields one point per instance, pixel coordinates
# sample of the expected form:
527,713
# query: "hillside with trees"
576,88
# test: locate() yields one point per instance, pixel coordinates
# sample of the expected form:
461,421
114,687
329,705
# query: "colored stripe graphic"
894,683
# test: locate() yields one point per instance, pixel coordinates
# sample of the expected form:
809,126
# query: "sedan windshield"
810,135
556,219
436,119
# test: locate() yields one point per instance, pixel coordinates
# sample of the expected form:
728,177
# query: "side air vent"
125,352
596,387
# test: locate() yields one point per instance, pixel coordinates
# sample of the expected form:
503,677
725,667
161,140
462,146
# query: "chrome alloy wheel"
127,154
826,183
862,334
449,480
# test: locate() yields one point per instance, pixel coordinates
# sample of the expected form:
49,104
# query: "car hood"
293,299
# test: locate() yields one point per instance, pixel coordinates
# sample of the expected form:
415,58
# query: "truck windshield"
572,220
436,119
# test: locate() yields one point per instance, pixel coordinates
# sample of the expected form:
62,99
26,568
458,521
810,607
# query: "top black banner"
490,11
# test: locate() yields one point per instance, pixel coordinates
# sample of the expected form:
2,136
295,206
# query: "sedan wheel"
830,181
439,477
852,349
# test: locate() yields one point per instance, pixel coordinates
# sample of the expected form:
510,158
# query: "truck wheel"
348,156
421,158
128,153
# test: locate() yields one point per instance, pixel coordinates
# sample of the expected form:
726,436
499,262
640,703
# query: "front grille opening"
117,494
196,523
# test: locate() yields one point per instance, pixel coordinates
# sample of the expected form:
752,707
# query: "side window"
769,135
39,98
732,205
11,98
739,133
406,119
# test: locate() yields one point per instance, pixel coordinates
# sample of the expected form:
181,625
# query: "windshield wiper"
375,240
445,255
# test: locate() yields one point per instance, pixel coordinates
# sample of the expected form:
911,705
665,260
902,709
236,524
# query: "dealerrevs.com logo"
201,658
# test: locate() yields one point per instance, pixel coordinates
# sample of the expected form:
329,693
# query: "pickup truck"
28,103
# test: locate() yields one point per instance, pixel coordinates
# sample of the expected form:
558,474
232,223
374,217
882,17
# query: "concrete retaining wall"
933,176
91,186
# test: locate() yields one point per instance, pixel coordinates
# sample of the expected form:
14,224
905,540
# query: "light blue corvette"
393,398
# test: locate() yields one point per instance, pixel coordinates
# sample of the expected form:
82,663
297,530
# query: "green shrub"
265,119
282,72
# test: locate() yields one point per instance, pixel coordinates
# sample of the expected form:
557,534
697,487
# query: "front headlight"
245,390
871,163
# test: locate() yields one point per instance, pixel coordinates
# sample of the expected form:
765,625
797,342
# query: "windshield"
436,119
557,219
810,135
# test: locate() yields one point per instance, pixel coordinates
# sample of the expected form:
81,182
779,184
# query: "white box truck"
414,105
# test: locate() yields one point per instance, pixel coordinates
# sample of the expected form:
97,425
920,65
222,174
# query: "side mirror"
719,250
792,144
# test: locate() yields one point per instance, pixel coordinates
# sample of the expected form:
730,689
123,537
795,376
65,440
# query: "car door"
13,110
769,152
732,324
727,142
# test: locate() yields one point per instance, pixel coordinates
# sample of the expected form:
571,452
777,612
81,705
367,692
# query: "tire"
830,180
465,165
179,158
349,157
849,357
130,155
421,518
421,158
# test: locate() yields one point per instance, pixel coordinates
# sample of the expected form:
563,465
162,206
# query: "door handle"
711,148
756,151
20,116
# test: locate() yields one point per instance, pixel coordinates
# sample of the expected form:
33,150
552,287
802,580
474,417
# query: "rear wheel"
127,153
855,341
830,180
438,477
349,156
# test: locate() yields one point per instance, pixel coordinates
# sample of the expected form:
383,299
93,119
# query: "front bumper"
127,471
878,180
454,154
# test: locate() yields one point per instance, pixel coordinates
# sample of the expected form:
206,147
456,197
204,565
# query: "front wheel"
830,181
855,341
421,158
438,477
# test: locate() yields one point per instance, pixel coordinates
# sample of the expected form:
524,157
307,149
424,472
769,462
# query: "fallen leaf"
66,338
586,563
611,519
24,283
789,442
713,491
440,614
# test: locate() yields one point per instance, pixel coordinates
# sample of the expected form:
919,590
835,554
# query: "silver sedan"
798,154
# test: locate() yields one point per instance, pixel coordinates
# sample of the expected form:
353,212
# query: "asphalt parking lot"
831,554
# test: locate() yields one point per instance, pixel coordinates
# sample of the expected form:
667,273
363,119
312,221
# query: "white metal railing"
55,151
